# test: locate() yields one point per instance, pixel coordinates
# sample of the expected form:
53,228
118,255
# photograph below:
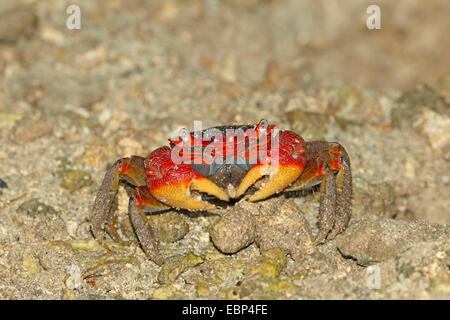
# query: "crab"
211,169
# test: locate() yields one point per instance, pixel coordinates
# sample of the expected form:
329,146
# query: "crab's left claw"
172,183
281,168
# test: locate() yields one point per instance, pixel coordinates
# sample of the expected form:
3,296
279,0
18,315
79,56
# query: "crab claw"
172,183
281,173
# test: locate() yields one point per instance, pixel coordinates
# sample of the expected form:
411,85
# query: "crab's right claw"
173,183
278,178
280,172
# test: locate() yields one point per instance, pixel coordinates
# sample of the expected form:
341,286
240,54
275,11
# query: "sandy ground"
74,101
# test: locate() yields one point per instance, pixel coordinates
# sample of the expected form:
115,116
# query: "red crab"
197,172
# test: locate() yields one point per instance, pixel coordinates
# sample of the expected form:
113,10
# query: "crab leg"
324,159
140,203
327,206
344,196
130,170
102,212
317,172
309,177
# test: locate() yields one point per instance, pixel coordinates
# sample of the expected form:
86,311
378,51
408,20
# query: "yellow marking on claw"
278,178
180,196
209,187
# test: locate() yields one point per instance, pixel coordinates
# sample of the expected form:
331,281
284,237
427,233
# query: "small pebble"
168,227
74,180
234,231
34,207
176,265
31,264
3,185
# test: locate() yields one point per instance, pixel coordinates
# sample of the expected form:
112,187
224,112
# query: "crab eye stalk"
262,126
186,136
182,136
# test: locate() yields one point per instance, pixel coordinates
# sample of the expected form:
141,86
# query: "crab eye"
262,126
119,164
185,136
